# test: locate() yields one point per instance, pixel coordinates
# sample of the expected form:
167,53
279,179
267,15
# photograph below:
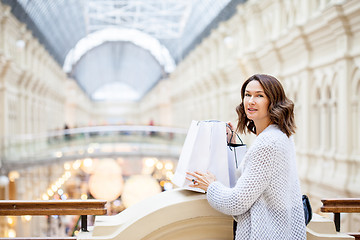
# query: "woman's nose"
251,100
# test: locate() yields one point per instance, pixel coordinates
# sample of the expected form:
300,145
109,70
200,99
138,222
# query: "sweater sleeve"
252,183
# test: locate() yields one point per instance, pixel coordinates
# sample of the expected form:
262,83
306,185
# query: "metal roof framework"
164,19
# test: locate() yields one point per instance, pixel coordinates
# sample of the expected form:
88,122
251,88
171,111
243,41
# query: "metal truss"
163,19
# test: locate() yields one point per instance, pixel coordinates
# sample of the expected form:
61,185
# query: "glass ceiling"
124,46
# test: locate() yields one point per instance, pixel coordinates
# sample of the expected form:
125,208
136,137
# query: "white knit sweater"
266,200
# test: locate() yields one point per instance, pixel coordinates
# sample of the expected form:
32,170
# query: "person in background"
151,124
66,134
266,200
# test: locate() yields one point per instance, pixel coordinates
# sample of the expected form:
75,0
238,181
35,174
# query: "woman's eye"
260,95
247,95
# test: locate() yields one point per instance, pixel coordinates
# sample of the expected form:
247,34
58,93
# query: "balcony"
174,214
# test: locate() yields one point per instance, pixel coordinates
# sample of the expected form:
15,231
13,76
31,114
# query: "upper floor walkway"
90,142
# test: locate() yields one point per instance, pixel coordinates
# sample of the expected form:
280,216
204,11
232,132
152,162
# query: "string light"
84,196
169,175
13,175
76,164
159,165
45,197
58,154
10,221
26,218
67,166
150,162
169,166
67,175
50,192
11,233
54,188
88,162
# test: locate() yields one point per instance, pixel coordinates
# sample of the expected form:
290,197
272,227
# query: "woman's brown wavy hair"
281,109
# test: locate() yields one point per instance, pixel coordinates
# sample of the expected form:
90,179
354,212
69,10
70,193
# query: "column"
4,111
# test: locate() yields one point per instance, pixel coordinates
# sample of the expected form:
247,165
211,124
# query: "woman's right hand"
230,132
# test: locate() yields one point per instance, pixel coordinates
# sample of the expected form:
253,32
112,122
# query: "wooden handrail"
54,207
340,205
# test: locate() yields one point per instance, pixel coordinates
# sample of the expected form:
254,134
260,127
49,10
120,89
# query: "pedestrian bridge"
94,142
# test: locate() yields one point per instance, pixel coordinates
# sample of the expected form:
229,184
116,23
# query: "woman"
266,200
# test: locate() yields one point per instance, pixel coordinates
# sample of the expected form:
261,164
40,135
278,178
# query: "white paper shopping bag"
204,149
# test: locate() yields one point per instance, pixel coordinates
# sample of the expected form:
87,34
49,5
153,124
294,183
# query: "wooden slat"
52,207
339,205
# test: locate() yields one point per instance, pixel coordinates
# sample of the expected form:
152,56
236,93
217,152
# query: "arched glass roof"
126,64
113,34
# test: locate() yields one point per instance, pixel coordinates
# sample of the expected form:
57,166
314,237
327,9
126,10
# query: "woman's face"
256,103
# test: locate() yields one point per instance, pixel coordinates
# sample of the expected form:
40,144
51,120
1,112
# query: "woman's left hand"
201,180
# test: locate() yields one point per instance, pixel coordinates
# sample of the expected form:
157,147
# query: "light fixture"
89,165
50,192
106,182
159,165
138,188
58,183
11,233
58,154
54,188
4,181
20,44
45,197
67,175
88,162
13,175
169,175
229,42
169,166
168,186
67,166
10,221
26,218
150,162
76,164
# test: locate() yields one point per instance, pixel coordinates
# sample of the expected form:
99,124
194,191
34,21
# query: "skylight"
143,40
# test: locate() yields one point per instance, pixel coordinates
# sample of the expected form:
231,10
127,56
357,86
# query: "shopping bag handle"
234,144
232,134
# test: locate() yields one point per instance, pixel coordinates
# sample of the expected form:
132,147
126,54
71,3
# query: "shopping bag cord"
232,134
